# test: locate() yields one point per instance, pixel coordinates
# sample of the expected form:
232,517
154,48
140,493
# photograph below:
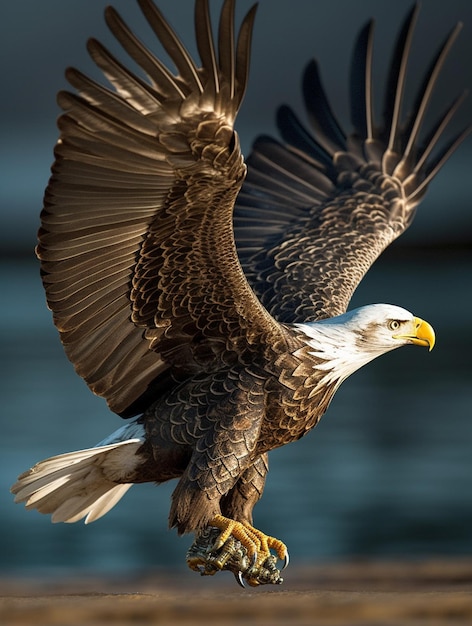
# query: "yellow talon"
267,542
257,543
226,544
239,531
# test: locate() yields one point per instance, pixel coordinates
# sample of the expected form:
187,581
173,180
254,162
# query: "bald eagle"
206,299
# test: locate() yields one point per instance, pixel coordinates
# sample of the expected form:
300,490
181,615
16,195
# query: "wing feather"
242,63
361,97
206,45
227,58
298,137
187,69
426,93
306,255
136,242
396,83
140,95
162,79
322,119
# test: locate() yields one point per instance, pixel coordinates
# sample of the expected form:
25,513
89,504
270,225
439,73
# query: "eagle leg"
240,548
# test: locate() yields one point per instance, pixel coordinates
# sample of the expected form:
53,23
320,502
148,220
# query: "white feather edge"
84,483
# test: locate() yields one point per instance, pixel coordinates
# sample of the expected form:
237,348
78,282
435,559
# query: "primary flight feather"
209,303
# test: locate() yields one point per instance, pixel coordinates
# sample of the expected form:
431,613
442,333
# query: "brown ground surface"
362,593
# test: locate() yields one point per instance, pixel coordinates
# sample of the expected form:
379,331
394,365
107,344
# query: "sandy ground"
401,594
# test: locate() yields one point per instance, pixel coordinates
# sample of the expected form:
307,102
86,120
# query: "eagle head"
341,345
384,327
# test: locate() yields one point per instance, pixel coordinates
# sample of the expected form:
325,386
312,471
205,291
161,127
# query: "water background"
387,473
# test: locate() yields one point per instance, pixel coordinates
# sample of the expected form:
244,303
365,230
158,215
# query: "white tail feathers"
86,483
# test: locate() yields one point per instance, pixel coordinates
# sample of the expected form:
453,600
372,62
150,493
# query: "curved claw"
286,560
248,553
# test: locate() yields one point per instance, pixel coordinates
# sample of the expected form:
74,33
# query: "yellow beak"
423,335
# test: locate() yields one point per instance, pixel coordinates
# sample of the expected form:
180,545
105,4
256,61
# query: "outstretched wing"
315,213
136,243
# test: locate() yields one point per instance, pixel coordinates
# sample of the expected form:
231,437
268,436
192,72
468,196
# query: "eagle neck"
335,351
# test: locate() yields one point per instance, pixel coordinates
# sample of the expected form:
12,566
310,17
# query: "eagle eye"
394,324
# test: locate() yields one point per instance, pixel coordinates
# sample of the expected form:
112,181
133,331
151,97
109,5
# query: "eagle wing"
136,243
314,213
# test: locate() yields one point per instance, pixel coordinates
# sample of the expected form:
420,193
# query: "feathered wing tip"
315,212
78,484
225,67
395,146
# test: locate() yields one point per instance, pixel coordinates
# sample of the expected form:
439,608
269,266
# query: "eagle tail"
85,483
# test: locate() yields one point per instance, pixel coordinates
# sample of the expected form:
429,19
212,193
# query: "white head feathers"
347,342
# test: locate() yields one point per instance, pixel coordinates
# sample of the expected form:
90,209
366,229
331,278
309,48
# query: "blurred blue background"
388,471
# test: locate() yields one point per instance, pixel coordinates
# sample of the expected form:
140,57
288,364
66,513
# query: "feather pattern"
305,257
138,166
